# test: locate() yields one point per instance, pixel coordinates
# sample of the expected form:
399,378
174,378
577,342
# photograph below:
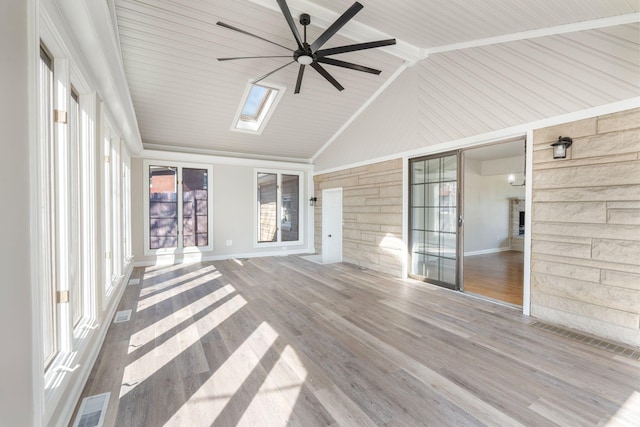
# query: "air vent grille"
92,411
122,316
591,341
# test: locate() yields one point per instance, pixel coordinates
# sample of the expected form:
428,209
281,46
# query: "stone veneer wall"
371,213
585,271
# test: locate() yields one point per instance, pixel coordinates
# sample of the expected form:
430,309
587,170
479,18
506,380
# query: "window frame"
48,284
67,184
55,194
255,124
301,205
87,206
179,249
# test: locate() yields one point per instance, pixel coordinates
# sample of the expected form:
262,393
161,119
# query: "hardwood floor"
498,276
284,341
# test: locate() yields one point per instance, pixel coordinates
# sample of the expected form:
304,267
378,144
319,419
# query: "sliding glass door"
433,221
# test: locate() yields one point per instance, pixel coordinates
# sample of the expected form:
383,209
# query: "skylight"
256,107
258,96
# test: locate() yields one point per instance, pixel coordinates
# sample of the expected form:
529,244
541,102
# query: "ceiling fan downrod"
304,56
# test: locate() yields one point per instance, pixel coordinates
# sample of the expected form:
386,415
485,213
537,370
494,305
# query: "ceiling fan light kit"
311,54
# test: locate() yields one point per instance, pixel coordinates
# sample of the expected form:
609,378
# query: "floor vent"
618,349
122,316
134,281
92,411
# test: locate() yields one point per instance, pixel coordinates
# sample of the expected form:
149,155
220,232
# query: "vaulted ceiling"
186,100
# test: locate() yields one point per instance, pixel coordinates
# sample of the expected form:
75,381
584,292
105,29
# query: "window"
256,103
107,210
195,207
73,157
256,107
163,207
66,228
178,214
46,226
126,207
116,211
278,207
75,252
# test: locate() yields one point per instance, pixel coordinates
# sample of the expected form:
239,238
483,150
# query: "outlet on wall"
229,242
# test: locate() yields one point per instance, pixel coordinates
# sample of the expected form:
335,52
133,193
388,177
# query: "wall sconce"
312,201
560,147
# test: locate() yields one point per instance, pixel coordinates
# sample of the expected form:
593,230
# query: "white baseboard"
162,260
487,251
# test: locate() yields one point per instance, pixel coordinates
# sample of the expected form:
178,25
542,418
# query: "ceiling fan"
311,54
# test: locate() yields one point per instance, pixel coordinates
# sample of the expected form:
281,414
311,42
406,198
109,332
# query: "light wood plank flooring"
498,276
284,341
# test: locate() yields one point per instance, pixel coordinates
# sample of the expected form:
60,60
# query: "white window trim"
265,113
107,208
179,249
54,384
85,158
301,205
126,189
45,219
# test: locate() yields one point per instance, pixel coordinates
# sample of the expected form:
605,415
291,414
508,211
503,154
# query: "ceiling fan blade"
354,47
299,82
252,57
349,65
271,72
287,15
339,23
326,75
231,27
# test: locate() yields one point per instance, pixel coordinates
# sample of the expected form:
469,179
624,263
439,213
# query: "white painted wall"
233,212
486,203
388,125
462,96
17,404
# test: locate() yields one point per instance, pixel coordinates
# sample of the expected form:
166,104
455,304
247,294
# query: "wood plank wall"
372,214
586,227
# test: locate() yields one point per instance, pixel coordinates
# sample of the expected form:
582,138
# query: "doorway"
493,192
466,220
332,225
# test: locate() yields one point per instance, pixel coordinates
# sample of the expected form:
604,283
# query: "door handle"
328,235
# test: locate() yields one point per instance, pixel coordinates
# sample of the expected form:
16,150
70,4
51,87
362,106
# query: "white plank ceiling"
186,100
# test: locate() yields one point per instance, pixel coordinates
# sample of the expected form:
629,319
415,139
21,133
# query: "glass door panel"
433,206
163,207
194,207
289,217
267,213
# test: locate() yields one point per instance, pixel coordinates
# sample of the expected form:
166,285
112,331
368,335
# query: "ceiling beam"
540,32
356,31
